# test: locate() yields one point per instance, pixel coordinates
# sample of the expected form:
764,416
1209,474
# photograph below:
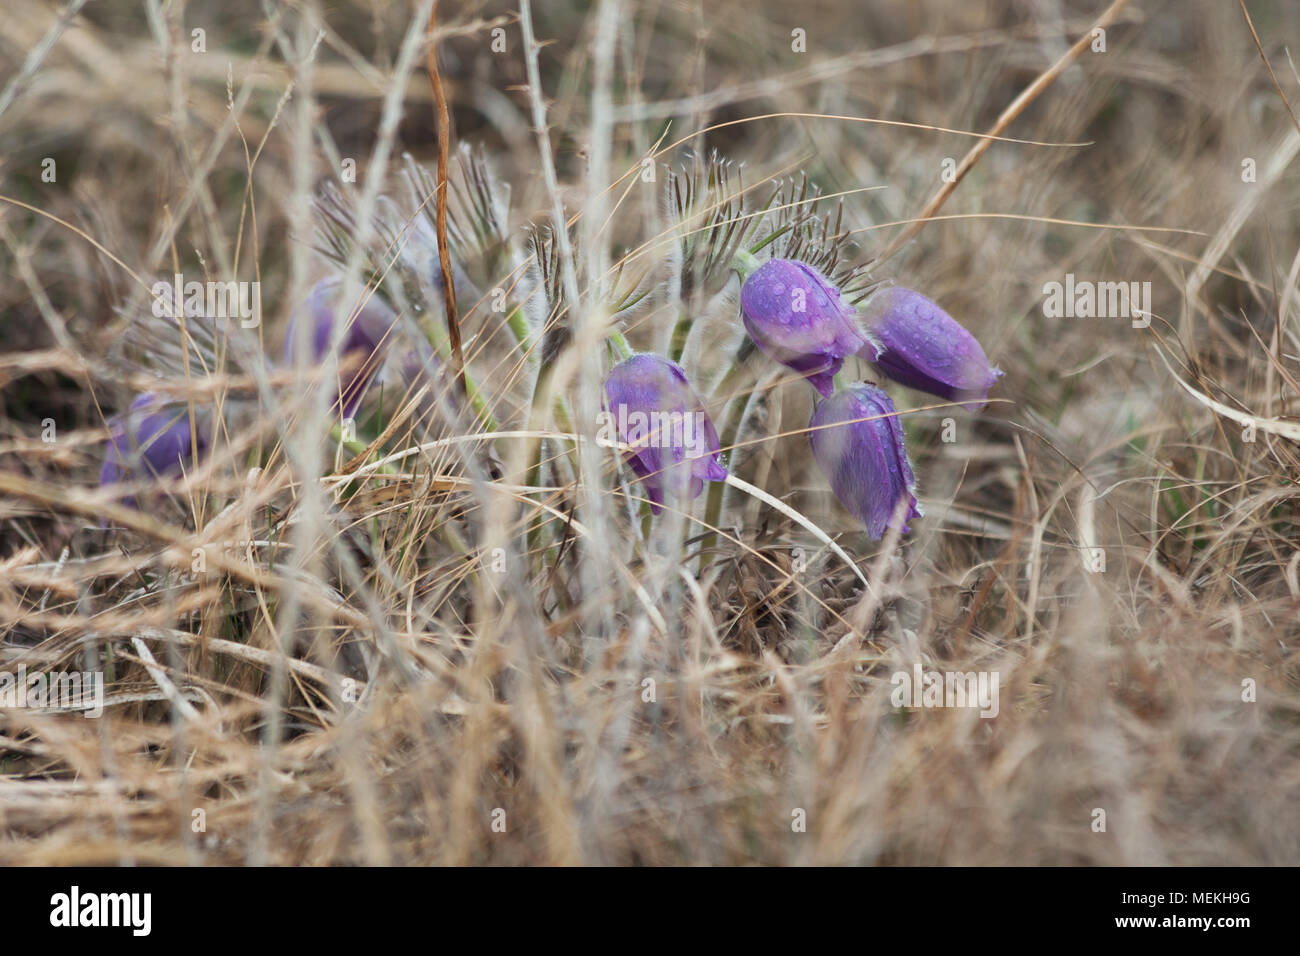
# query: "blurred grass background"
1120,690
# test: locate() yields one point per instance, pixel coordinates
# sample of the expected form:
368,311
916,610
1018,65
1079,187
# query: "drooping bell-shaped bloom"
796,315
865,461
650,405
927,349
151,440
360,344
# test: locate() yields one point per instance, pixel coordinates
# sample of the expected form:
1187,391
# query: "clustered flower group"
153,439
793,313
797,317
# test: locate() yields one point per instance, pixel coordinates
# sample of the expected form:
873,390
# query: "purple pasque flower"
361,343
650,405
865,461
151,440
927,349
796,315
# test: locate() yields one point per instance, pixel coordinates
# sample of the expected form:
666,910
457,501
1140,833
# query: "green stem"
677,344
477,400
518,324
562,415
744,263
619,343
733,415
351,444
357,448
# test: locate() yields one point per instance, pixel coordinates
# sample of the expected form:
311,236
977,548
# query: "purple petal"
927,349
797,317
652,406
865,461
361,343
150,441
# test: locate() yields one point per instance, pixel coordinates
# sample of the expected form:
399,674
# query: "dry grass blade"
1274,426
1014,109
419,600
444,248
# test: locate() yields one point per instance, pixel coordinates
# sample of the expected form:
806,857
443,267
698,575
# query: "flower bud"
651,406
360,346
797,317
149,441
927,349
865,461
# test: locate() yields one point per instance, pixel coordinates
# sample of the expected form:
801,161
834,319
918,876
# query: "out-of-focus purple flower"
415,239
927,349
795,315
415,366
360,346
420,252
650,405
151,440
865,462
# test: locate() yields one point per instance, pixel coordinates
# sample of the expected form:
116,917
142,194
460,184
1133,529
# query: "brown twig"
1016,107
444,253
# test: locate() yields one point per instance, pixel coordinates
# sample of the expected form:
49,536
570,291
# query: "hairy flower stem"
478,401
619,344
563,416
732,417
713,504
518,325
681,332
744,263
357,448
